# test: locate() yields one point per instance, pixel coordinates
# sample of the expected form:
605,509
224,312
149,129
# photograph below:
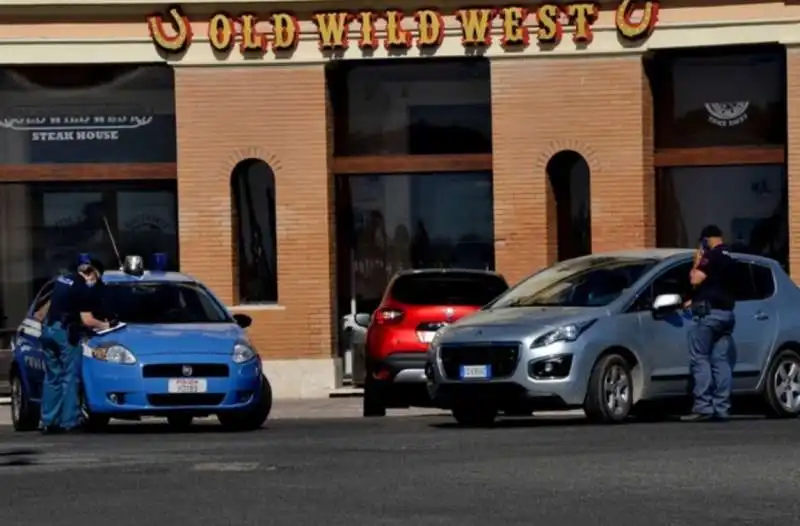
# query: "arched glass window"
253,189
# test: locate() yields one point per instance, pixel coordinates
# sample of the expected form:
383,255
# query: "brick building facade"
596,94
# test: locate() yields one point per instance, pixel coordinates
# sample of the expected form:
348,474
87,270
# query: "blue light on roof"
159,263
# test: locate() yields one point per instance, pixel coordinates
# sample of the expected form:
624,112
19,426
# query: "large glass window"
87,114
388,223
749,204
731,96
412,107
43,227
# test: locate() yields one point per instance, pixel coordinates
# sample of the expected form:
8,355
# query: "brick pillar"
599,107
793,157
225,115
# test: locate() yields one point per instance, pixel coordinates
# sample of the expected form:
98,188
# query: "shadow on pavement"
520,422
506,423
18,457
161,429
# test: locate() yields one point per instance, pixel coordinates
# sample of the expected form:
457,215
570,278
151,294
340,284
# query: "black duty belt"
704,307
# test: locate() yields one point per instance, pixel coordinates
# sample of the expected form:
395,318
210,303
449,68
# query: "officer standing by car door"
71,310
711,342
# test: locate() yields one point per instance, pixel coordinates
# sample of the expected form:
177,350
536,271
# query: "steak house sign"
172,31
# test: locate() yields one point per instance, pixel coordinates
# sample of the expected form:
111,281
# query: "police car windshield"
163,302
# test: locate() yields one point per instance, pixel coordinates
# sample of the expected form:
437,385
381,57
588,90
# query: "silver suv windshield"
585,282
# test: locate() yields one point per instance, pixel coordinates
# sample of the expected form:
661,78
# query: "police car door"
29,349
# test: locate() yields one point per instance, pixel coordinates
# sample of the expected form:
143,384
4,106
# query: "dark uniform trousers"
712,354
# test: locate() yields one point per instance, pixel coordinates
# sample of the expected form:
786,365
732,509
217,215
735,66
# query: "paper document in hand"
111,329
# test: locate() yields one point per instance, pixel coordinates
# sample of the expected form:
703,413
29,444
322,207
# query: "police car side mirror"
666,302
243,320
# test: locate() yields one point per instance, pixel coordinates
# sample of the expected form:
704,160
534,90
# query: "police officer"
72,304
711,345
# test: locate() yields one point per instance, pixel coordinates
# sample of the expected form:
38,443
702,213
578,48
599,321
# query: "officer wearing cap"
711,344
72,304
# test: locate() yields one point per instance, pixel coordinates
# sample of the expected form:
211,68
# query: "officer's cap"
86,263
710,231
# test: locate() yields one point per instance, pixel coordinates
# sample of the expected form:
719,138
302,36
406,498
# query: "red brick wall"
597,106
278,114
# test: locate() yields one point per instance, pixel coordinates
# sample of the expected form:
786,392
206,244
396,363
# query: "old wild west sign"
171,31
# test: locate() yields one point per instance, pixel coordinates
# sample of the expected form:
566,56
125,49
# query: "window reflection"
43,227
146,222
747,202
415,107
388,223
87,114
720,97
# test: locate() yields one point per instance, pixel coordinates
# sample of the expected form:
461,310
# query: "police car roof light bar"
159,262
133,265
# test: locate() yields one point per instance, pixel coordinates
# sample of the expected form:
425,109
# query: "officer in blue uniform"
74,300
711,346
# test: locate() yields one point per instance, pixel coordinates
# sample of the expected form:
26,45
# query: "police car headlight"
114,354
243,353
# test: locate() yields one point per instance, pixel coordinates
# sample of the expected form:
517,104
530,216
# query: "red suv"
415,305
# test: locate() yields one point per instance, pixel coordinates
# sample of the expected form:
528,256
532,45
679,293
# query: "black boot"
697,417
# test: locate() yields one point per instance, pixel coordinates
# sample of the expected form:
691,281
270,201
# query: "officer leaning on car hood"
711,345
74,299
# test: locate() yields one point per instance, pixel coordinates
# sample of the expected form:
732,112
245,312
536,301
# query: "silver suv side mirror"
667,301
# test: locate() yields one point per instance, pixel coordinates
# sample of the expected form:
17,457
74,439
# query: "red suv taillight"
388,316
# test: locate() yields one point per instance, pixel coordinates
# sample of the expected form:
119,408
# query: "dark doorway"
569,179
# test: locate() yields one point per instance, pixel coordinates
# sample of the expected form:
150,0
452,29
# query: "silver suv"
607,333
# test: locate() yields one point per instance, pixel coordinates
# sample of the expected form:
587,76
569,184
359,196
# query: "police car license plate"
188,385
476,371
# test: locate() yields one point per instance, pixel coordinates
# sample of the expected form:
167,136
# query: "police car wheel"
782,386
92,422
95,423
24,416
609,396
253,418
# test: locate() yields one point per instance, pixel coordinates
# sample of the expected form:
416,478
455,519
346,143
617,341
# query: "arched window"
253,190
569,179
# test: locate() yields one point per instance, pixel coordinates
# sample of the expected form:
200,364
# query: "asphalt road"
407,470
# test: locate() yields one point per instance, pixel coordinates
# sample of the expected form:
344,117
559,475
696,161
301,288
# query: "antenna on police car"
113,243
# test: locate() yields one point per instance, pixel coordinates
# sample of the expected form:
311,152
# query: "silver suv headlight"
567,333
111,353
243,353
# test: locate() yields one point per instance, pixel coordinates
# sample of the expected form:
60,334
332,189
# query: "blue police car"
180,355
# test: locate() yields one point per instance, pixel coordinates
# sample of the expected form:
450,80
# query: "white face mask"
90,280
